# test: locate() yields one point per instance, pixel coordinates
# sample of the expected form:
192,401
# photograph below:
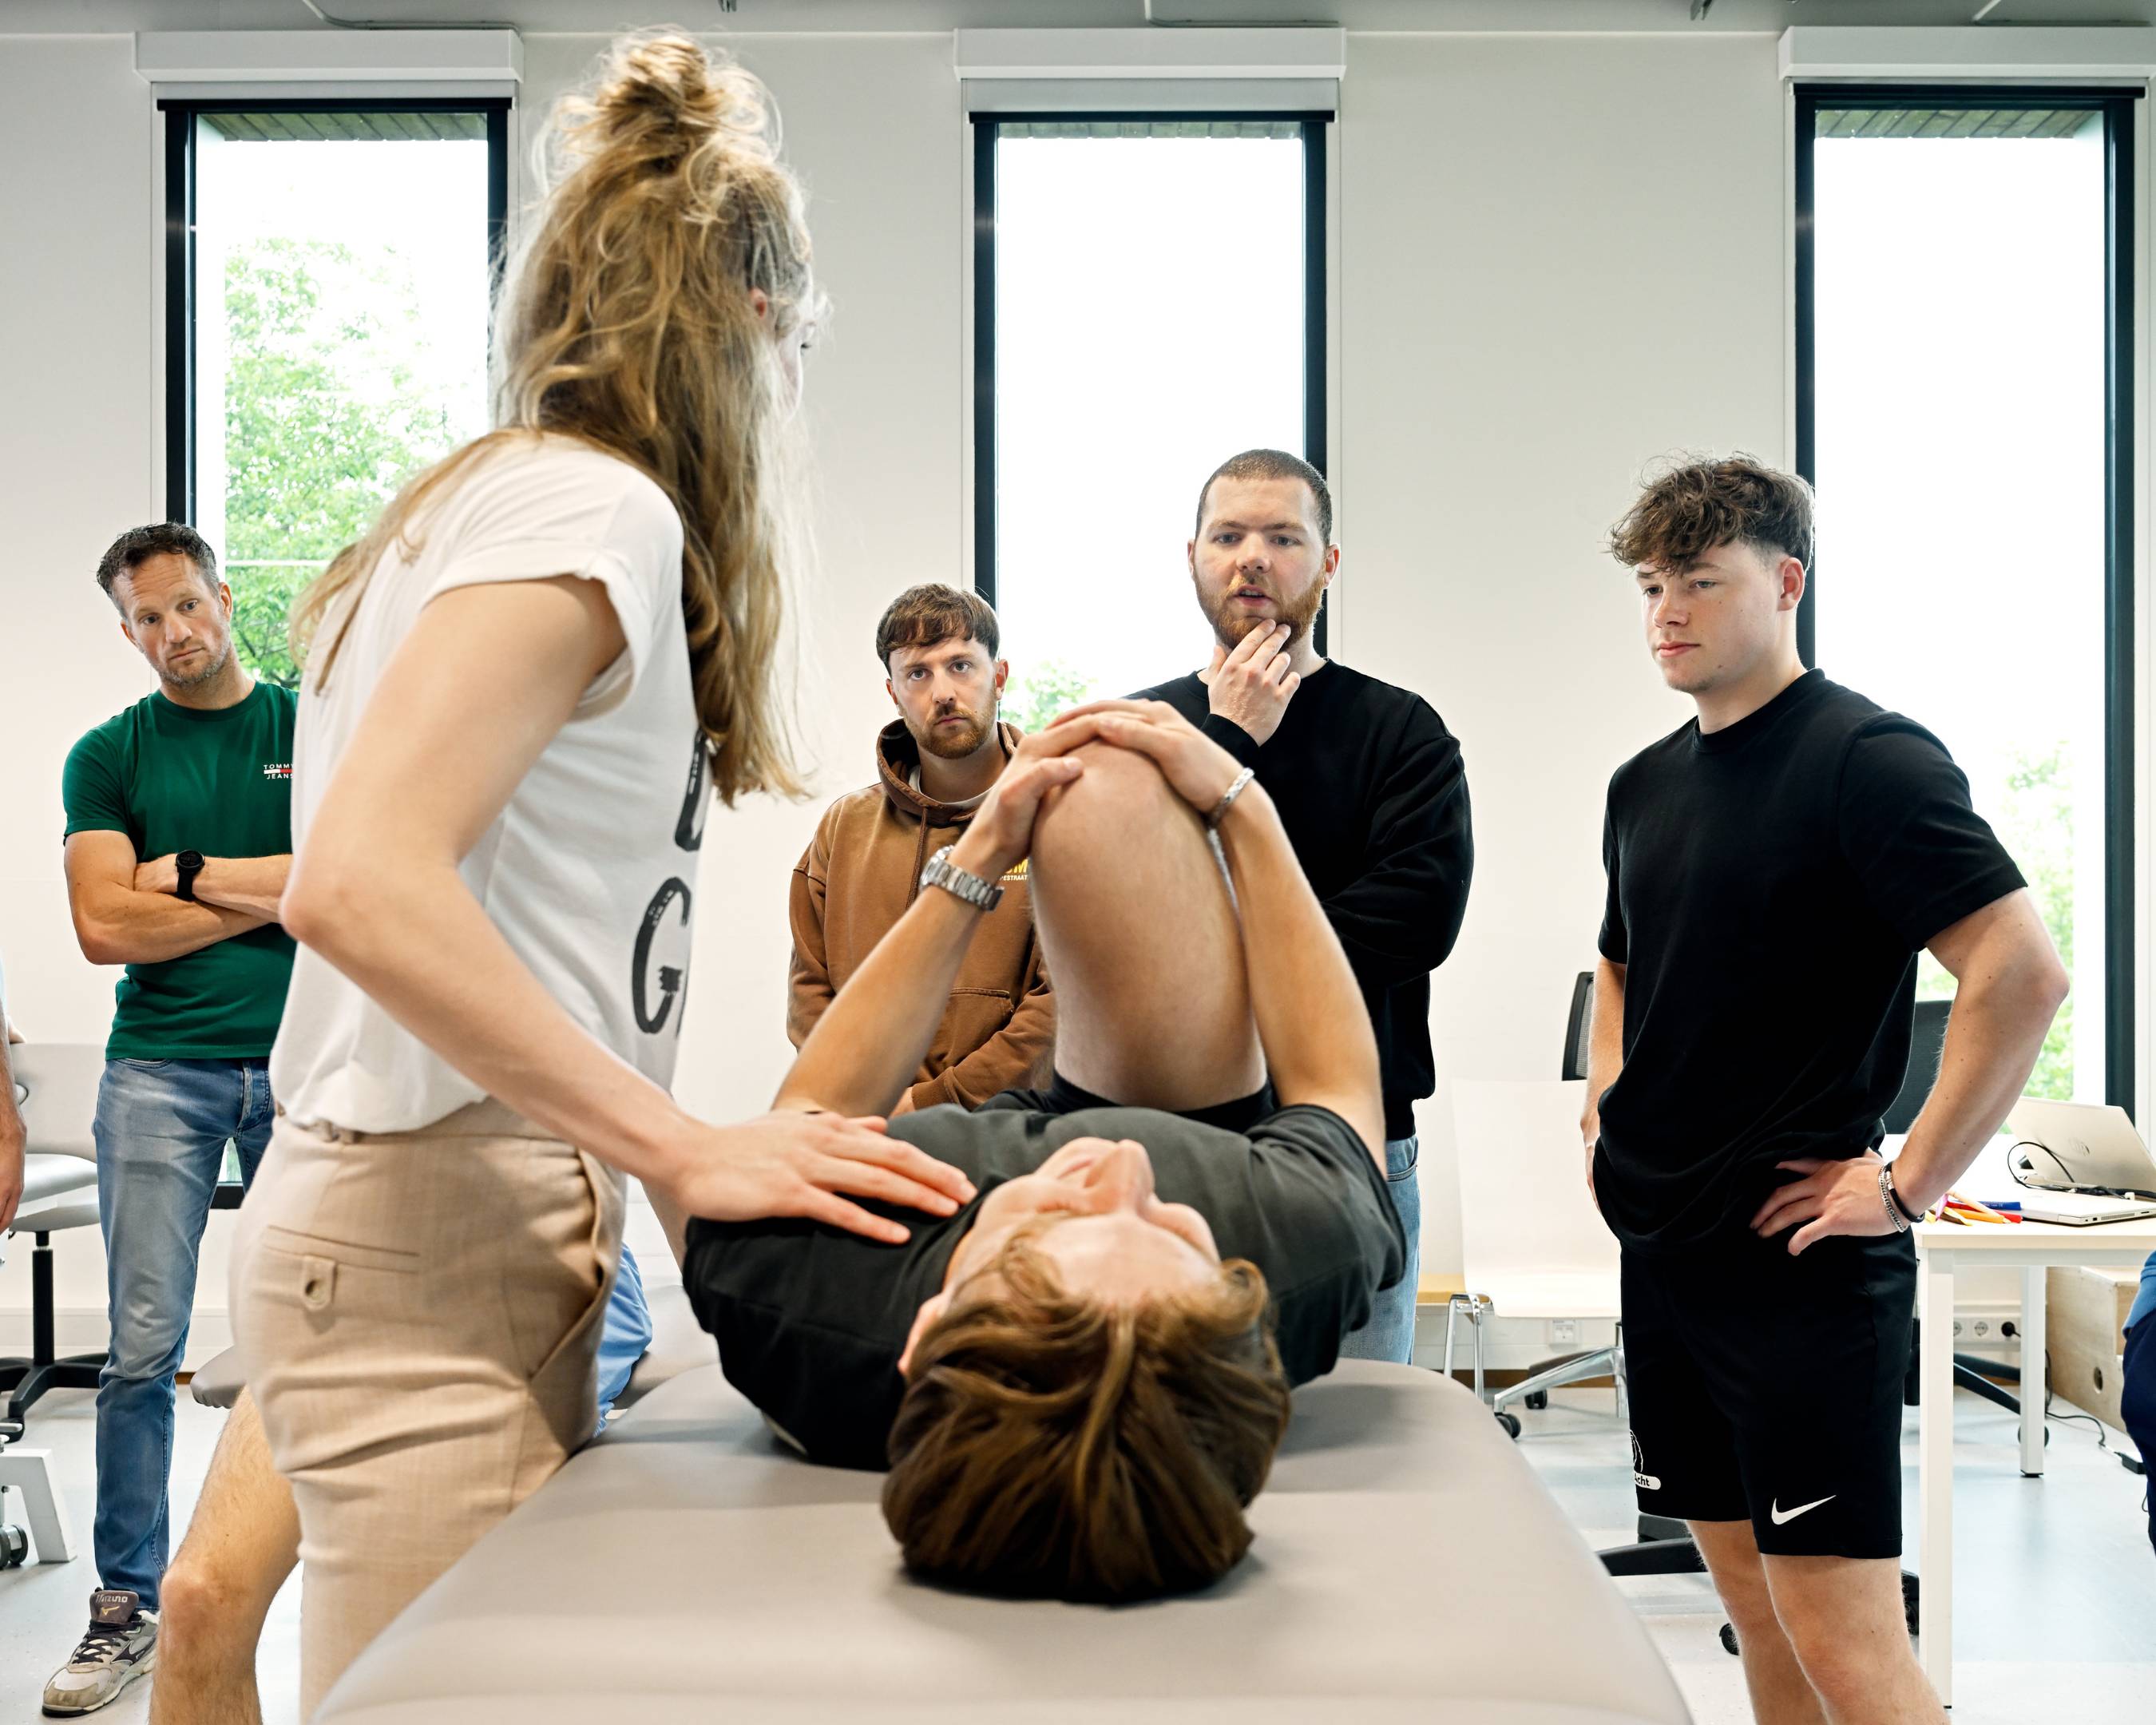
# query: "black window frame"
1314,125
2116,104
180,114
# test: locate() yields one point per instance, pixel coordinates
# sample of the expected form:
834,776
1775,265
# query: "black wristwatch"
189,863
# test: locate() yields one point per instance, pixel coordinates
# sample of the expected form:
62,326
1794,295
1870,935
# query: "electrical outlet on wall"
1564,1332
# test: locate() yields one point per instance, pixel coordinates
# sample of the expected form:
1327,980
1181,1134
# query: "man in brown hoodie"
934,763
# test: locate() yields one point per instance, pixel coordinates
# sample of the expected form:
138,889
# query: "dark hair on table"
928,615
1060,1447
1694,504
1272,465
138,545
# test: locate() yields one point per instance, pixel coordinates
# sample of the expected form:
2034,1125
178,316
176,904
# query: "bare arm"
115,923
1605,1053
2011,984
865,1049
447,734
13,1134
254,884
1312,1021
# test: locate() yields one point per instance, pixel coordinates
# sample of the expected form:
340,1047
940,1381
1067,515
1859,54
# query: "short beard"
956,746
195,679
1232,627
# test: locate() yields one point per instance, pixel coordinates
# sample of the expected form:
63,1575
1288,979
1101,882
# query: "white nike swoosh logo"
1779,1515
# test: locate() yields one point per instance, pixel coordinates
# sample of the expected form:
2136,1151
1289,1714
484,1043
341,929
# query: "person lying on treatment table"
1079,1380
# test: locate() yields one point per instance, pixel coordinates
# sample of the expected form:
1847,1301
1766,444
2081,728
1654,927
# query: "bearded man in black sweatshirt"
1368,782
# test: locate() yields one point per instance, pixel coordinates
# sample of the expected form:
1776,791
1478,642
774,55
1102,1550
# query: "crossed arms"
125,912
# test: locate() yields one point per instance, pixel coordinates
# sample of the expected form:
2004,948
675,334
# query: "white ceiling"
71,16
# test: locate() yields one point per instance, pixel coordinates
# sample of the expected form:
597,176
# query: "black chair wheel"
1538,1402
1729,1638
1511,1422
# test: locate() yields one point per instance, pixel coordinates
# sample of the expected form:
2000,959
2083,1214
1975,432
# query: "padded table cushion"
1408,1566
217,1380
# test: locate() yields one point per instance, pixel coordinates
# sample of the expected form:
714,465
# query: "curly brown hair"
1693,506
1051,1445
929,615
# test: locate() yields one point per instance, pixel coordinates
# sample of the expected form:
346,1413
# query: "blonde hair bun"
642,310
662,99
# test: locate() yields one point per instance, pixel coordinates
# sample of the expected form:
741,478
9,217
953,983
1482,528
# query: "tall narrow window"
328,272
1149,299
1964,290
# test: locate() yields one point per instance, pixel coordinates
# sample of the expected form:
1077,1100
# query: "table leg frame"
2032,1369
1935,1471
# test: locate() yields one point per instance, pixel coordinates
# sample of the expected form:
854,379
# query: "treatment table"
1408,1566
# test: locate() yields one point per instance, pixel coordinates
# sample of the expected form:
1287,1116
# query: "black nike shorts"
1768,1389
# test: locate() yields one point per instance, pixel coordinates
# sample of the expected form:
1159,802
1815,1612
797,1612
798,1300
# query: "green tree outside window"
1045,689
2036,826
328,410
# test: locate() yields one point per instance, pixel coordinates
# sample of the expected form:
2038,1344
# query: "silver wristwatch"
941,871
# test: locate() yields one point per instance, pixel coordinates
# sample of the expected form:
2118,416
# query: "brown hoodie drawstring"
919,860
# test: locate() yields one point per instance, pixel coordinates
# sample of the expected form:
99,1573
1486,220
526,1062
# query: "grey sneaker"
120,1645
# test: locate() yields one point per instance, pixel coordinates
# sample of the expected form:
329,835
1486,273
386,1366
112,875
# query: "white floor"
2055,1602
2054,1581
44,1607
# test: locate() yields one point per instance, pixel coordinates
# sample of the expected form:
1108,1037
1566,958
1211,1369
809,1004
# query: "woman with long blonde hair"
522,685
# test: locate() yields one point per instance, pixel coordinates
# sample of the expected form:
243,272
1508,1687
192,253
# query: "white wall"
1559,257
78,453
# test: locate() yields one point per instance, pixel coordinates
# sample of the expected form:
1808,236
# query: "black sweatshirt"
1372,792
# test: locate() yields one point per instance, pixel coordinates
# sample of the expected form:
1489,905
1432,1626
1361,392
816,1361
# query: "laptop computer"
2088,1151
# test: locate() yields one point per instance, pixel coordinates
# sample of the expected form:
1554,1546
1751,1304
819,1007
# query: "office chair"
1520,1256
1665,1546
60,1083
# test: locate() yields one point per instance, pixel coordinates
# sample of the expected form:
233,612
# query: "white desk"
1942,1248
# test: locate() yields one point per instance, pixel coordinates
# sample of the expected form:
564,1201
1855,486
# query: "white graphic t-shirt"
587,872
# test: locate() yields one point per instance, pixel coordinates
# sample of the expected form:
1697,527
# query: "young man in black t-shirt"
1368,782
1774,868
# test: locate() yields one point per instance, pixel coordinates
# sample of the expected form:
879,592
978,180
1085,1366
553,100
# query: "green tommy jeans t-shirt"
172,778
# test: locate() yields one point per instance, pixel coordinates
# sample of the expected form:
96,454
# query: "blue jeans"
1389,1332
626,1334
2137,1395
162,1128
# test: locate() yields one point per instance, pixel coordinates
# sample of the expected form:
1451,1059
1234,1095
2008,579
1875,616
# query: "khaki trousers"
419,1315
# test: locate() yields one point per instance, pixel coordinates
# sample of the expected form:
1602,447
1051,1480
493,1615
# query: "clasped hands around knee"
1195,768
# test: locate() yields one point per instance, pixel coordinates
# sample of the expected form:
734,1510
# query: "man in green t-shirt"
179,831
